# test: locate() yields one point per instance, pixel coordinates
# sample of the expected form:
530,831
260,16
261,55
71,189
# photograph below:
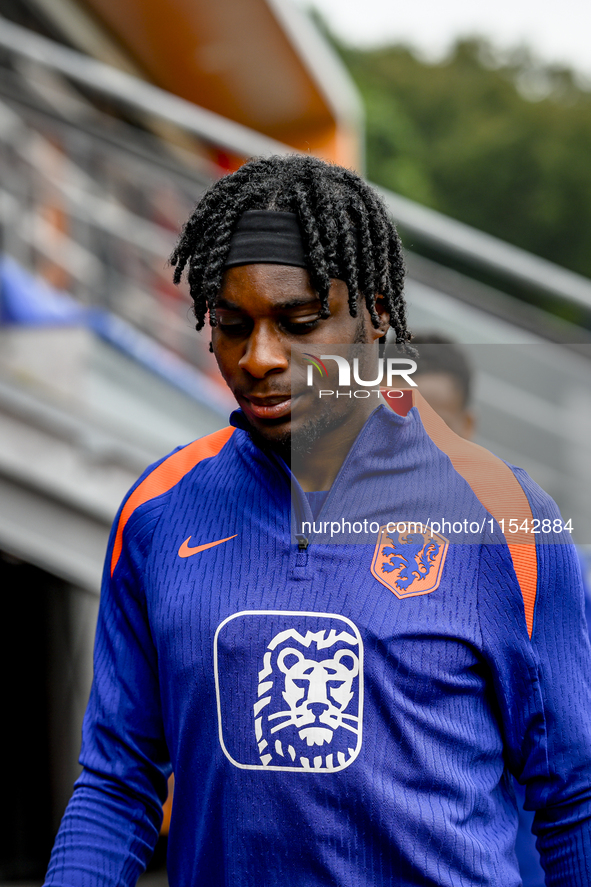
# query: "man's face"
262,311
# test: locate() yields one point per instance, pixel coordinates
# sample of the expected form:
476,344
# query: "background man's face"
443,393
263,310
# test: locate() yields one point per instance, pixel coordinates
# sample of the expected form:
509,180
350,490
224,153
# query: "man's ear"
384,315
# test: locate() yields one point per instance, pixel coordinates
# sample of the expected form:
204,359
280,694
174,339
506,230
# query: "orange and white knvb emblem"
409,558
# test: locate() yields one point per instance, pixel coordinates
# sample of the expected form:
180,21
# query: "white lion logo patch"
316,691
289,689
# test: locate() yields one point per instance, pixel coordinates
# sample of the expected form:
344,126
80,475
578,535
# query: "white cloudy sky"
556,31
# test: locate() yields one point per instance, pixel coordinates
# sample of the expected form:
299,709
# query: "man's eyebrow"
278,306
220,302
297,303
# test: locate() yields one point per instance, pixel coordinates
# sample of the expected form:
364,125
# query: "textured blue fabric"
316,500
202,662
528,858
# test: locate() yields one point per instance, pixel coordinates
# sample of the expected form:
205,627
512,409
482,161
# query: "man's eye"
232,325
299,327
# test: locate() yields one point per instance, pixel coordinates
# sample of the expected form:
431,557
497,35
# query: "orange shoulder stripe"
165,476
497,488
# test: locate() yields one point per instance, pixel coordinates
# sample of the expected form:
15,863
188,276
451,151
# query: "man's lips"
272,407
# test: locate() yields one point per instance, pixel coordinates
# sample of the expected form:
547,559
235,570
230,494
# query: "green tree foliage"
504,145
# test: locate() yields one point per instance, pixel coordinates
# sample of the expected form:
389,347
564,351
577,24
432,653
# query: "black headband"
266,237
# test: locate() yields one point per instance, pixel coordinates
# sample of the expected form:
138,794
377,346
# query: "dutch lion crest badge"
409,558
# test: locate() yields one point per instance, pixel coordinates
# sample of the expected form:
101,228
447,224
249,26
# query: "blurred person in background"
445,379
334,714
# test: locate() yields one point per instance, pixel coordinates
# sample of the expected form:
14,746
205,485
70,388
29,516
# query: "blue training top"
346,713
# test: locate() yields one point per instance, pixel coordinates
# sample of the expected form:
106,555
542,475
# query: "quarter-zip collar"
383,435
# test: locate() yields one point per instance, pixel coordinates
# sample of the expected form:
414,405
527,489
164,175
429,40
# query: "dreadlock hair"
346,233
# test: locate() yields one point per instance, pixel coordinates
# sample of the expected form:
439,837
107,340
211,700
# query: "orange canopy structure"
260,63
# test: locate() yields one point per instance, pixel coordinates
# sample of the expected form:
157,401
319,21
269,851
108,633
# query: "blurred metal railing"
432,227
505,261
451,237
88,202
129,91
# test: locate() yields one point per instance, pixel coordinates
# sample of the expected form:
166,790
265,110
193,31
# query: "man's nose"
265,352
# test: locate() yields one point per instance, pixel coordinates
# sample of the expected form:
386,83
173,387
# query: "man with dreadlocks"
337,711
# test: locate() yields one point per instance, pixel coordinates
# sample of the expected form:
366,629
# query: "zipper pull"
302,542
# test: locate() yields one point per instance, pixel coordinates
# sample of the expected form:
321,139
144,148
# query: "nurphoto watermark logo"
387,370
